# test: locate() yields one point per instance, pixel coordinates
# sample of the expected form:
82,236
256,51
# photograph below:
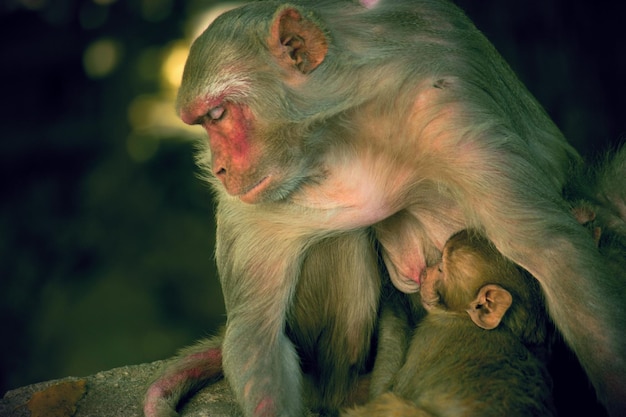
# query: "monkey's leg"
394,332
193,368
258,260
333,315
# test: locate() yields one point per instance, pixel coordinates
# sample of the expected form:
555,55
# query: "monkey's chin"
254,194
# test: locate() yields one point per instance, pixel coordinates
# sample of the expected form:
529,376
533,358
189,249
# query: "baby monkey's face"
433,279
468,281
452,284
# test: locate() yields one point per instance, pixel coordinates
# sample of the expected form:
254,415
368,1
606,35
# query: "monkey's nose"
220,173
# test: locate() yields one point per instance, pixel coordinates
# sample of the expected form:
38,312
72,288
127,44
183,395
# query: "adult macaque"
469,355
331,120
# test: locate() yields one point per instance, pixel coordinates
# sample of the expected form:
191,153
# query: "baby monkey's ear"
489,306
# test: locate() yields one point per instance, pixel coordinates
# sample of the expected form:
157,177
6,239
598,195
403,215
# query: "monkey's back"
455,368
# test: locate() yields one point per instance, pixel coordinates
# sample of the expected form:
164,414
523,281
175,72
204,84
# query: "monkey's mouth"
251,195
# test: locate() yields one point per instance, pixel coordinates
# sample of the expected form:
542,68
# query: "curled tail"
190,370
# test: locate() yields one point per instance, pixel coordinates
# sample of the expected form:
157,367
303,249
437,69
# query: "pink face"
235,155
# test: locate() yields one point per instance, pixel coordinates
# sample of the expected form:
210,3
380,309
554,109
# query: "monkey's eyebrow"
228,84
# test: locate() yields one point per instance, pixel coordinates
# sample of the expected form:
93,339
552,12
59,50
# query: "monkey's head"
241,83
474,279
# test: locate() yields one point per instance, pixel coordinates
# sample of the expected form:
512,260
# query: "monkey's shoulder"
455,335
500,375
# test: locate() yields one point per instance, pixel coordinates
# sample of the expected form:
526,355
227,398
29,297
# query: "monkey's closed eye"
216,113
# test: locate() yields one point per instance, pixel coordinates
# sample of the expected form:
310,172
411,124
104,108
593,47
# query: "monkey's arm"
394,332
258,263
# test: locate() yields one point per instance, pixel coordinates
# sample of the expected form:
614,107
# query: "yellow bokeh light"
173,64
102,57
138,113
155,115
140,147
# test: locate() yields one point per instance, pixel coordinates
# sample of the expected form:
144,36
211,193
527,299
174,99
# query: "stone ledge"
115,393
119,393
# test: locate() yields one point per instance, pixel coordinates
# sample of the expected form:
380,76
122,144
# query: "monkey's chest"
355,193
412,239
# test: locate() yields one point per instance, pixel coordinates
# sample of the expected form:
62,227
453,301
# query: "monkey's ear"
489,306
296,42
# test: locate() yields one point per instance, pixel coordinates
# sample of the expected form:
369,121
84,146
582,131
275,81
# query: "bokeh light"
102,57
173,65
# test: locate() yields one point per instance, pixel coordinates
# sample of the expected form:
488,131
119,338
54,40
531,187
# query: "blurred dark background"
106,233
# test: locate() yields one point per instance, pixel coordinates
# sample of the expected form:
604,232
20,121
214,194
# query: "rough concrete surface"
114,393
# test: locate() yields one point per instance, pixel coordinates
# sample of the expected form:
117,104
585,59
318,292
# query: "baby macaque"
470,355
